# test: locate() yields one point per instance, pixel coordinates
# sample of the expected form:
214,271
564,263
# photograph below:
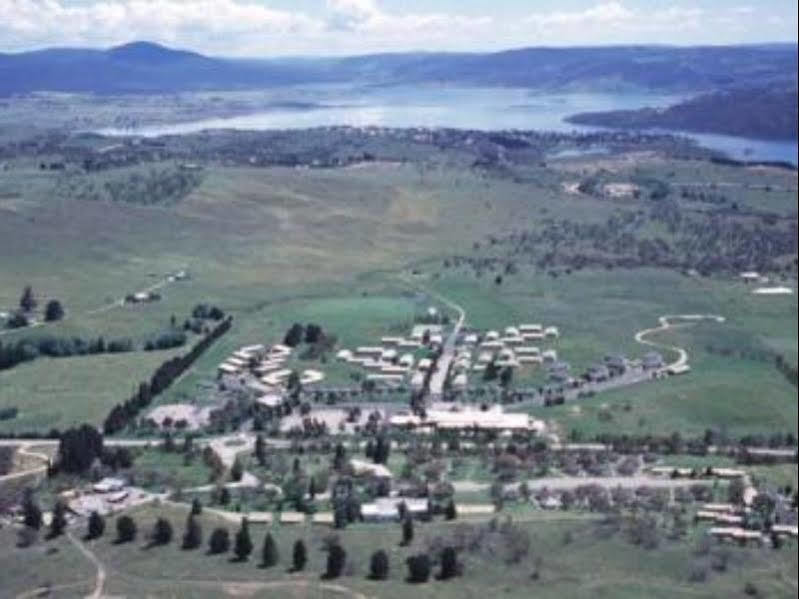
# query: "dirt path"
99,582
23,450
666,324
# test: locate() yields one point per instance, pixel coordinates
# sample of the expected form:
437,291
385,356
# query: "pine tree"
312,488
260,449
407,531
59,520
28,301
299,556
243,546
269,553
193,537
196,507
96,526
236,470
449,563
32,513
336,558
162,532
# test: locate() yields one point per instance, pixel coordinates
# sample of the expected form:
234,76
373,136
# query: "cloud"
615,17
252,27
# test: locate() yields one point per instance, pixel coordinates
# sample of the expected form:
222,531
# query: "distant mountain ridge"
144,67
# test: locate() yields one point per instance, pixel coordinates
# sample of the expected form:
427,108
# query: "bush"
126,529
162,532
336,559
53,311
418,568
96,526
379,565
220,541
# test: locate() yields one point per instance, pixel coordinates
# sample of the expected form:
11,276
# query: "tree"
220,541
236,470
260,449
336,558
294,335
378,565
407,531
53,311
28,301
418,568
506,376
243,546
449,563
299,556
196,507
78,448
735,491
126,529
450,512
193,537
58,521
162,532
96,526
32,513
269,553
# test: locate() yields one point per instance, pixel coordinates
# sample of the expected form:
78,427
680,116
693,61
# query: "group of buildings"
267,367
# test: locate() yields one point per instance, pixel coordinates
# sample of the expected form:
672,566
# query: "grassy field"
570,557
67,391
275,246
600,312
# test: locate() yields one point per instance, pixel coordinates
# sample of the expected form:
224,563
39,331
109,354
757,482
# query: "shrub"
379,565
126,529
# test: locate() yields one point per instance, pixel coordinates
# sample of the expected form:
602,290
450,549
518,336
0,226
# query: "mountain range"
144,67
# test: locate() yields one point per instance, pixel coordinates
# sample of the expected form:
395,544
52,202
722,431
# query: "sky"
264,28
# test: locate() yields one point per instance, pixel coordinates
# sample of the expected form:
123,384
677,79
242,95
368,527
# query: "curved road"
666,324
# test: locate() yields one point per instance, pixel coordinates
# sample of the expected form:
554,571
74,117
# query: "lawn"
59,393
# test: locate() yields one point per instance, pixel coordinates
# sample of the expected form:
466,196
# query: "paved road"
448,351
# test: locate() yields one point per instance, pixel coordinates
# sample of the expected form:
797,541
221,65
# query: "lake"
460,108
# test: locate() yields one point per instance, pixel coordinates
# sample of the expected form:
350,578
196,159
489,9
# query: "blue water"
462,108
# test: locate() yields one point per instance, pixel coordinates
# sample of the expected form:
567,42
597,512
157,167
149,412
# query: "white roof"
271,400
361,468
366,349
